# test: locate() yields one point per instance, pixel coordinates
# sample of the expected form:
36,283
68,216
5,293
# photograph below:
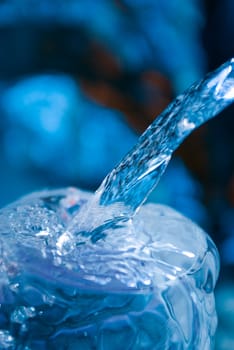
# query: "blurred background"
80,80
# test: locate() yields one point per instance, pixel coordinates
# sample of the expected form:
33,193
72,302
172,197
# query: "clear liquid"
82,271
130,183
44,316
140,288
139,172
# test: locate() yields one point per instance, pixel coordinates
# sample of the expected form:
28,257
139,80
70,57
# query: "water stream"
129,184
146,284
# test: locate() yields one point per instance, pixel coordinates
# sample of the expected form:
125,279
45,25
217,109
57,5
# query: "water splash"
59,289
130,183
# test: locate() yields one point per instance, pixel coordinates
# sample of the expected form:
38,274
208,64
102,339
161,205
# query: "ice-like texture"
147,285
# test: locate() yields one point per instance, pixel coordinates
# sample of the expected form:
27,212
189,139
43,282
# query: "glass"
103,271
150,287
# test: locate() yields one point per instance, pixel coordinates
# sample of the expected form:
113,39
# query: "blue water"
103,271
140,287
129,184
141,169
